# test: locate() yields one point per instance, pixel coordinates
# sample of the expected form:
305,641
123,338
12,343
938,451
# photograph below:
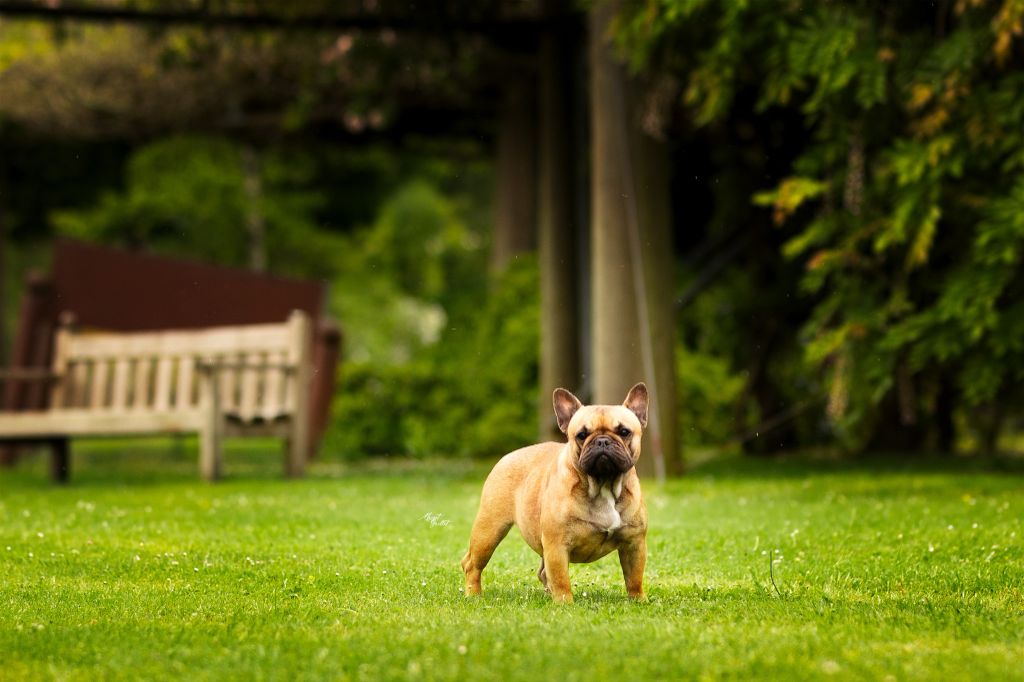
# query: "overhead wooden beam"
508,31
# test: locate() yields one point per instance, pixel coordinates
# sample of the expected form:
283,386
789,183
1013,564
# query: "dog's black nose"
602,442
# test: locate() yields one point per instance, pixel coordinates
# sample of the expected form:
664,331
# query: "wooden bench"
215,382
136,291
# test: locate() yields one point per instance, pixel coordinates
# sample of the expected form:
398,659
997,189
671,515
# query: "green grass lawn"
138,570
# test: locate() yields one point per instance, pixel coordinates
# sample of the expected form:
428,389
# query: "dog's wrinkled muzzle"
604,458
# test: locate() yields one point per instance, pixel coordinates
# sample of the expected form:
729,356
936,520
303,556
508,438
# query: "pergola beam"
514,30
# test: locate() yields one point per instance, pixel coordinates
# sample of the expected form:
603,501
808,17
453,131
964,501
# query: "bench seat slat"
122,371
143,380
99,384
186,377
76,422
273,387
228,379
162,389
252,371
77,394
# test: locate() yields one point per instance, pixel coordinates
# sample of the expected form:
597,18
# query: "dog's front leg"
633,558
556,566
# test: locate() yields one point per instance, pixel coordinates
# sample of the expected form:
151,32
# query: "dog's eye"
624,432
581,435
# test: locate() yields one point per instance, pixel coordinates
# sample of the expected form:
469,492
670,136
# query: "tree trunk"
988,425
944,424
891,434
4,271
515,201
765,393
559,252
654,201
631,259
7,453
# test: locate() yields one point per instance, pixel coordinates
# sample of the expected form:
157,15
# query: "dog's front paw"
561,598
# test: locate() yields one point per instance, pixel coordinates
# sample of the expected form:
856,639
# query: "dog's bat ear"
636,402
566,405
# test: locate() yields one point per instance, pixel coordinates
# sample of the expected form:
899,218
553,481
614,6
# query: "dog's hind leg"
488,531
543,576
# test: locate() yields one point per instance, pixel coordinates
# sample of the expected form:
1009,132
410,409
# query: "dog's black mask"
605,457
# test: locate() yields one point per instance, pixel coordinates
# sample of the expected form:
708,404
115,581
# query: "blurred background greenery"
846,184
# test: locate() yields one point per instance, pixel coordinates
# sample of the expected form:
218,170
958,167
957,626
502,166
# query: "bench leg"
296,451
211,433
8,455
60,460
210,453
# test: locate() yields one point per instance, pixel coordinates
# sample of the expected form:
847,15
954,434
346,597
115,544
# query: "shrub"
471,393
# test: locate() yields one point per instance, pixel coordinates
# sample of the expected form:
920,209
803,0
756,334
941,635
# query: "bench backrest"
262,366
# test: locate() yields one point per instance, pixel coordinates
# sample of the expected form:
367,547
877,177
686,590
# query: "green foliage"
126,80
24,41
711,411
138,571
470,392
708,393
439,358
978,315
903,200
396,278
188,195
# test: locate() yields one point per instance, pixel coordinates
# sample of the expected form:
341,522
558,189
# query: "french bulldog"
573,502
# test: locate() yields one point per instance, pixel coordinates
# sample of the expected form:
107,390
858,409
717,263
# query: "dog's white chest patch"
607,516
